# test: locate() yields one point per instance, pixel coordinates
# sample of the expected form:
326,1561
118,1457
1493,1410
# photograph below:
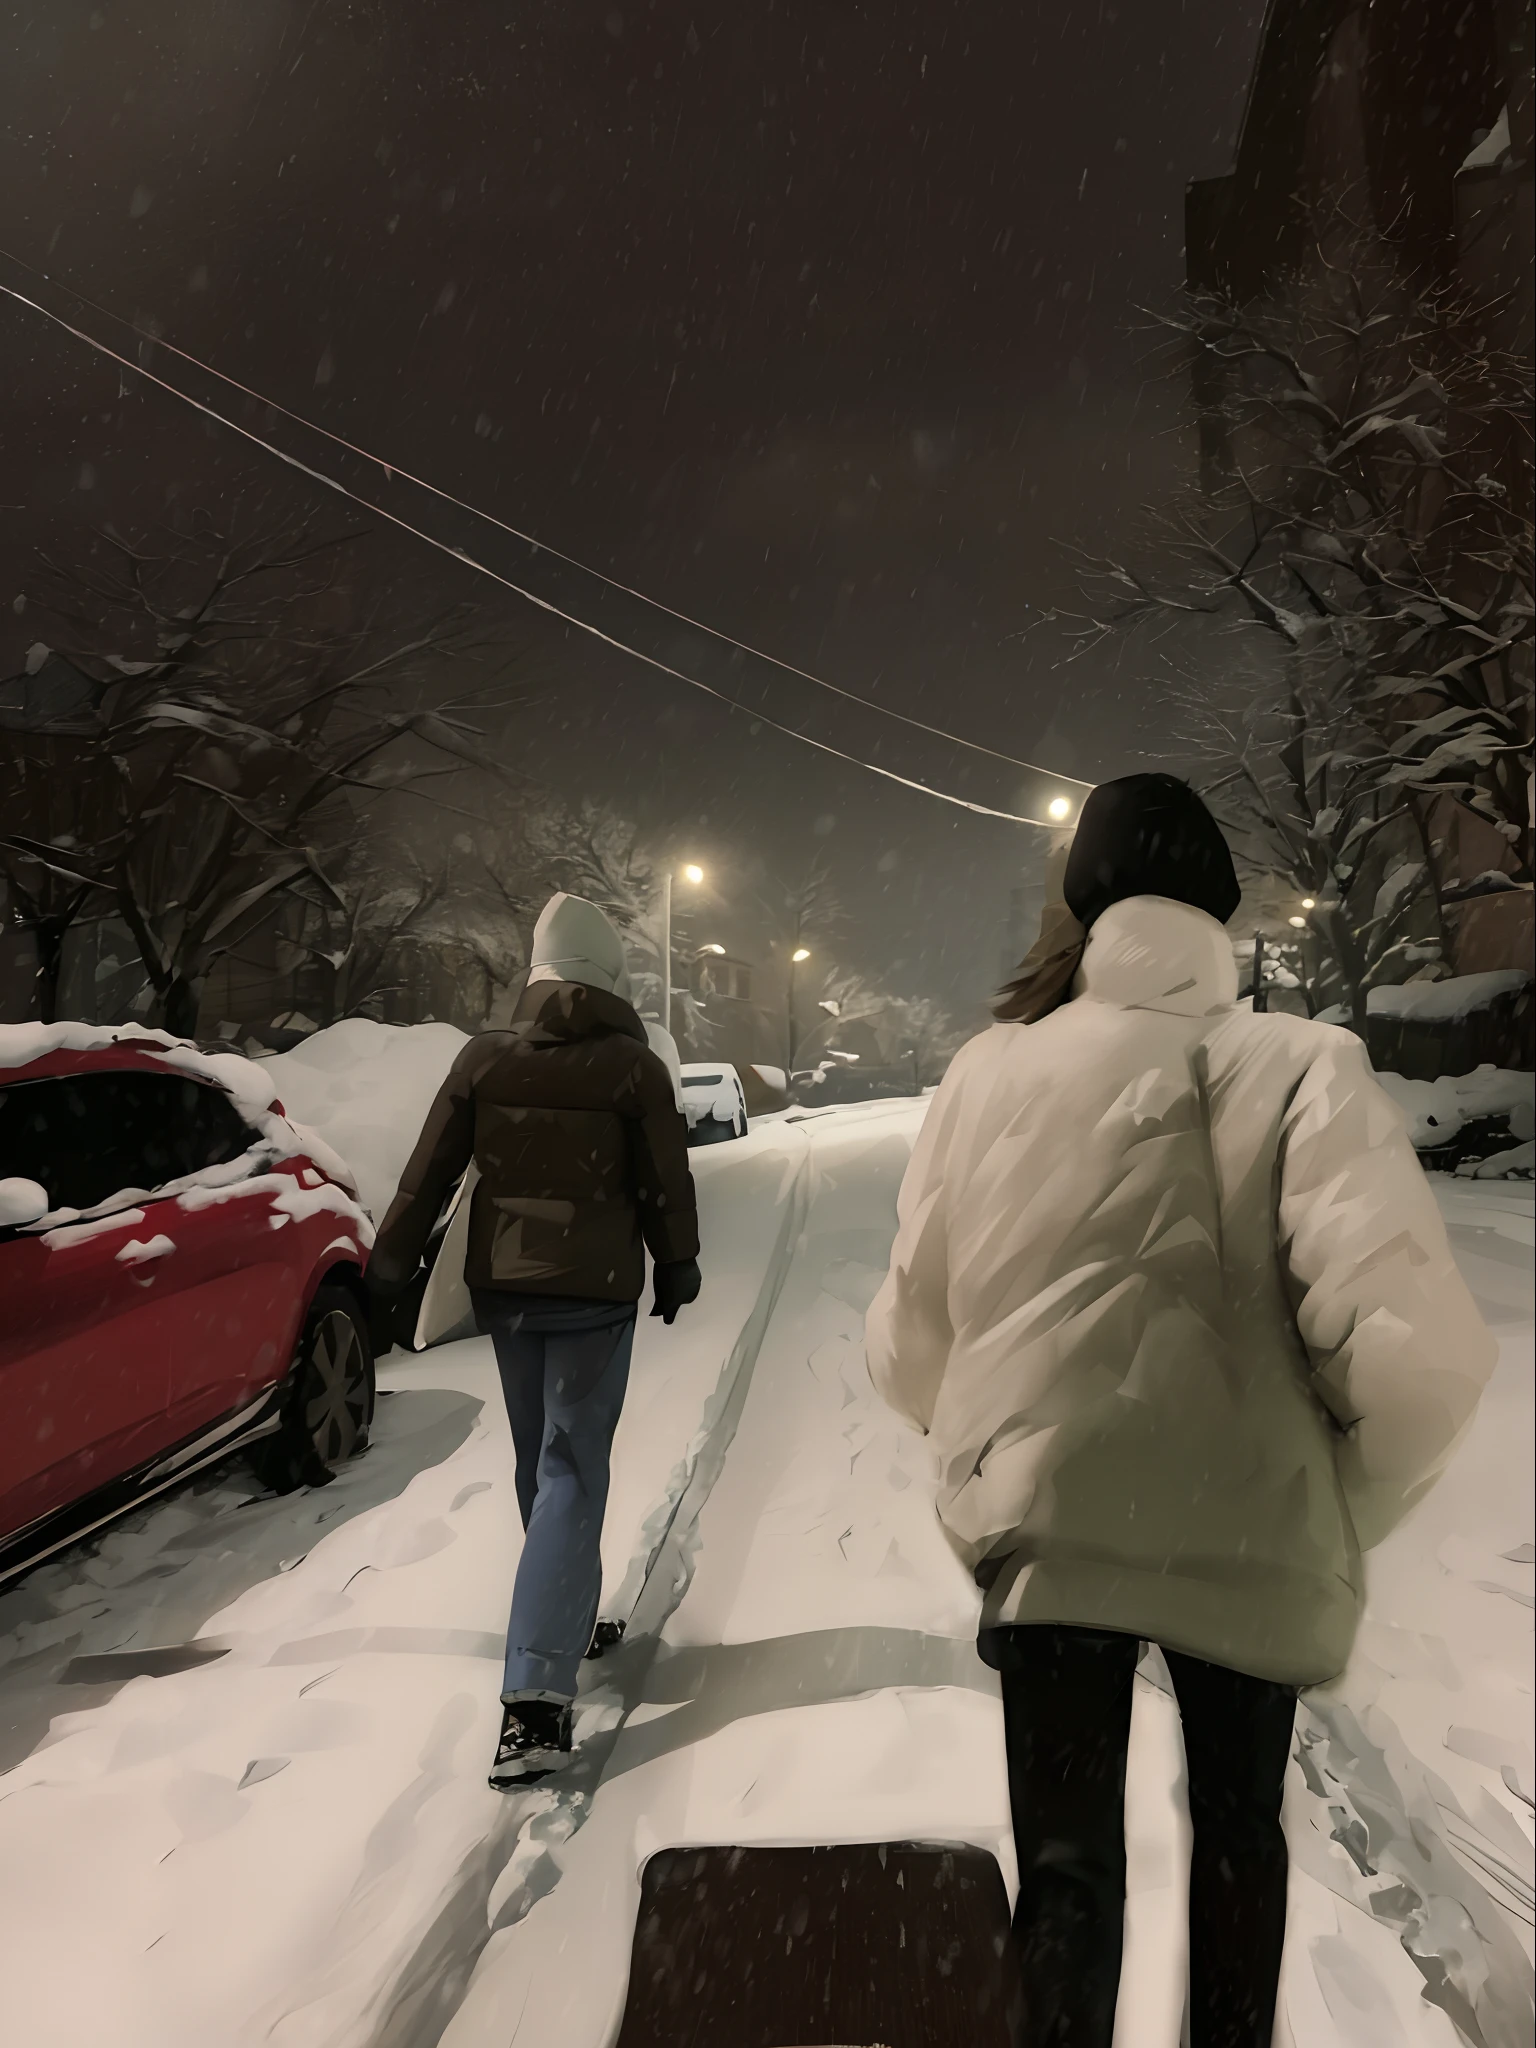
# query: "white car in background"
713,1102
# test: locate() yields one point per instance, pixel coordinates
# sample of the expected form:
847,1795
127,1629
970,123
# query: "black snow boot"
535,1740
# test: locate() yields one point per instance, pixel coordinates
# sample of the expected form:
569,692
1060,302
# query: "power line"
391,473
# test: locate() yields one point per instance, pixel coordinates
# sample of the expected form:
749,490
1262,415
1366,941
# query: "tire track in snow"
515,1865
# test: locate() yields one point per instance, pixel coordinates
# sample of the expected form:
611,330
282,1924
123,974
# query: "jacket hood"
561,1011
574,941
1150,953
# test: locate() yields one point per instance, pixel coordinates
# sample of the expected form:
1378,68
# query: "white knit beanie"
574,941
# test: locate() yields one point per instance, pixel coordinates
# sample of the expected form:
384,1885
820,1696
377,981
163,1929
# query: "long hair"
1044,980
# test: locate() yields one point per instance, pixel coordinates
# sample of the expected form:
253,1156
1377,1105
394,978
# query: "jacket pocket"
534,1241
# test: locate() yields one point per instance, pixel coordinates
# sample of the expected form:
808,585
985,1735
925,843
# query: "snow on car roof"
22,1045
252,1091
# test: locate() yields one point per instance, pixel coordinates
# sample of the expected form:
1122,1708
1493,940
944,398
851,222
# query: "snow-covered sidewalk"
818,1682
292,1842
260,1838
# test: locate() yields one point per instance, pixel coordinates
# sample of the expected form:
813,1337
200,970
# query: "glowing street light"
1299,922
1309,903
791,1034
1059,807
691,873
713,949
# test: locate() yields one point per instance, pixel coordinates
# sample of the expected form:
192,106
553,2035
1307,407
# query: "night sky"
812,319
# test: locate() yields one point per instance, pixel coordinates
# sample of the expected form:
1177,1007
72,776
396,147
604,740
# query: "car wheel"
327,1400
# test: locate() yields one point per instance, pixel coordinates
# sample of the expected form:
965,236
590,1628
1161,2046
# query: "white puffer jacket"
1174,1299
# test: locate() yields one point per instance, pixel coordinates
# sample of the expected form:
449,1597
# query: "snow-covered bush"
1482,1123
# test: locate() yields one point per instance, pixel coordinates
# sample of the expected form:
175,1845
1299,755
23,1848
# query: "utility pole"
789,1019
1260,997
693,874
797,954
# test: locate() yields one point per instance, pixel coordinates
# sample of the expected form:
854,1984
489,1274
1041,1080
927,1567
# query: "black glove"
675,1285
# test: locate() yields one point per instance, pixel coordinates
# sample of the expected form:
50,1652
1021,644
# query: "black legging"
1067,1715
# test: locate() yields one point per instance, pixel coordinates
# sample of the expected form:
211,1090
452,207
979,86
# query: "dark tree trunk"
48,944
1351,969
179,1005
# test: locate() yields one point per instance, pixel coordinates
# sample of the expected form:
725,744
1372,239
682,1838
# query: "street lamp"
691,873
1299,922
800,953
1059,808
1309,903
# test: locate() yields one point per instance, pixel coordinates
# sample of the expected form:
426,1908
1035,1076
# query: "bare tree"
590,852
915,1030
244,724
804,906
353,938
598,854
52,792
926,1033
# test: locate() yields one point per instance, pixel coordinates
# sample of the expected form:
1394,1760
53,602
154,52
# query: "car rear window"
702,1080
87,1137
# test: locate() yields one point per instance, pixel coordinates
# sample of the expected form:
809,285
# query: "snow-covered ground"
278,1830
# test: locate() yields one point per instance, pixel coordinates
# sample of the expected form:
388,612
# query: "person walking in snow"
1174,1301
572,1121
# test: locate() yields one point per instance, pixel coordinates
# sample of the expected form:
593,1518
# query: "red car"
180,1273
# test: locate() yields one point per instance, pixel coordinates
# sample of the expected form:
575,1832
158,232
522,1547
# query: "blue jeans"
564,1367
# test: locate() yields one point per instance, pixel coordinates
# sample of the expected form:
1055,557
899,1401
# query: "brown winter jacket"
582,1152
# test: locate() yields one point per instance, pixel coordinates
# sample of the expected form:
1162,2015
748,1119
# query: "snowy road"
277,1829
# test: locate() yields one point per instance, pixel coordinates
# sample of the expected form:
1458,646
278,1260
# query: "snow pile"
1437,1111
1445,1002
366,1089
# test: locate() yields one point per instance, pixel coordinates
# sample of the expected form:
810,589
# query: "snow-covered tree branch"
1362,575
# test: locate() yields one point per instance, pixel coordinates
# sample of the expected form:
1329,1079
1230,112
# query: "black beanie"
1148,835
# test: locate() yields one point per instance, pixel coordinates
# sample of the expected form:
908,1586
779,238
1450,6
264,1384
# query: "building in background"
1419,110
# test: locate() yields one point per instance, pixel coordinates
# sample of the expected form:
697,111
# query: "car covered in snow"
713,1102
181,1269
